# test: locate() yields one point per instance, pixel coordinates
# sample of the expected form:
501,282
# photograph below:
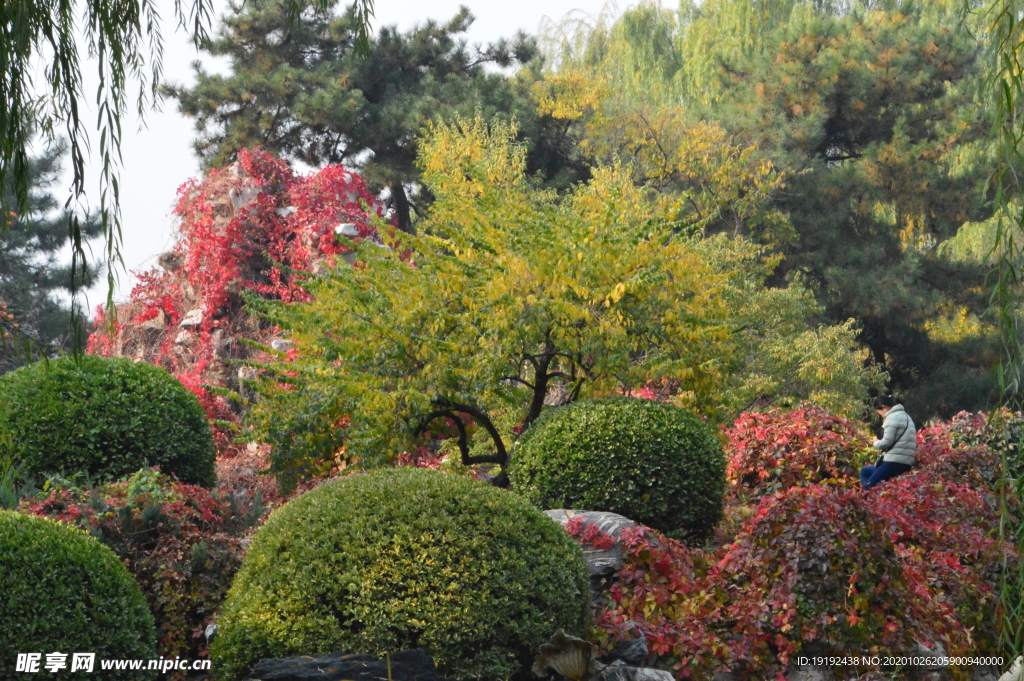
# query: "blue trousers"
872,475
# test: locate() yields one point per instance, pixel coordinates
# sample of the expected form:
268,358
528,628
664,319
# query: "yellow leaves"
954,324
569,95
471,156
616,295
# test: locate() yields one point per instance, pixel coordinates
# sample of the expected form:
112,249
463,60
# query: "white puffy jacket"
899,437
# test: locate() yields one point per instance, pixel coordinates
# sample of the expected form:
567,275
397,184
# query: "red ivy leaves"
589,534
913,559
775,450
255,226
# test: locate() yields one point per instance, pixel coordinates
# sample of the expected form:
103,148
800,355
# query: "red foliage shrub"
254,226
916,558
776,450
953,529
815,563
663,590
819,564
972,464
182,543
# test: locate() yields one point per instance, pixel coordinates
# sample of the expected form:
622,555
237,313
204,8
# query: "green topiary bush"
404,558
651,462
65,592
105,418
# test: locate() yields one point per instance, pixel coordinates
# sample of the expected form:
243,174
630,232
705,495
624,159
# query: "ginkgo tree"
510,299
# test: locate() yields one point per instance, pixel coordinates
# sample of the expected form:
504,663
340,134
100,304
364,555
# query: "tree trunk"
400,202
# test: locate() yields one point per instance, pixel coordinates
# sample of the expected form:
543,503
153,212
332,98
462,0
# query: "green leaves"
65,591
405,558
104,418
651,462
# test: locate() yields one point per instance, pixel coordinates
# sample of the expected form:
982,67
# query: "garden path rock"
406,665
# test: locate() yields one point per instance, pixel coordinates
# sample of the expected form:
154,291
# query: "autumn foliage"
253,226
776,450
181,543
818,564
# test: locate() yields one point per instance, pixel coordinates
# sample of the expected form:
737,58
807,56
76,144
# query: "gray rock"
170,261
602,564
157,323
933,668
986,674
192,318
810,673
240,198
633,651
407,665
624,673
347,229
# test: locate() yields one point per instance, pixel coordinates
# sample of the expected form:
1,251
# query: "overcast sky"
159,158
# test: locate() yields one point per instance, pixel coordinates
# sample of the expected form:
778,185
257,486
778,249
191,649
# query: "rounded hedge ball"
652,462
405,558
105,417
63,591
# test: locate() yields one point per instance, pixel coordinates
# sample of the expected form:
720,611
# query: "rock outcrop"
406,665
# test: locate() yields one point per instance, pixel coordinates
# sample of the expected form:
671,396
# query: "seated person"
898,444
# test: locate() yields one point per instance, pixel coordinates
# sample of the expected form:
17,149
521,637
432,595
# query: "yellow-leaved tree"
512,298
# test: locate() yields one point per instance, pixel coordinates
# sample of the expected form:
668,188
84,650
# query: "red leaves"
589,534
775,450
253,226
914,559
182,544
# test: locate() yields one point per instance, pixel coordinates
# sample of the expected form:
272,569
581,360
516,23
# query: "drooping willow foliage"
123,38
1005,24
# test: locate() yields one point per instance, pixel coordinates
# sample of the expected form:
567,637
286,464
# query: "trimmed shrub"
105,418
652,462
65,592
404,558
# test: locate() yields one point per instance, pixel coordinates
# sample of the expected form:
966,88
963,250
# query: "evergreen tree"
872,118
300,90
32,276
857,120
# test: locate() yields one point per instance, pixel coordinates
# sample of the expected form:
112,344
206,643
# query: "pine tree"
33,280
857,119
301,91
